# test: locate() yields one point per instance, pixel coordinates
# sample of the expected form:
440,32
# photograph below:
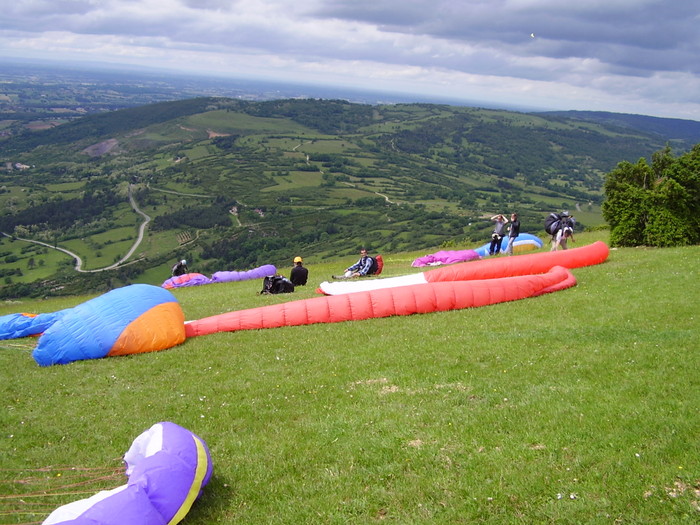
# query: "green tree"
657,205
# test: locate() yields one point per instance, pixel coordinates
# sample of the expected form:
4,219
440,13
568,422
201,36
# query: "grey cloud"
622,34
597,44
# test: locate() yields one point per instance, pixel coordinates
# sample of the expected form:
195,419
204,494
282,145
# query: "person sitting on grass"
361,268
299,275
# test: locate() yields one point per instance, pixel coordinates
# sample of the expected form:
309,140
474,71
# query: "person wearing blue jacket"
361,267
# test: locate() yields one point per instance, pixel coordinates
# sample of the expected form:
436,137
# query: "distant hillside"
230,184
673,130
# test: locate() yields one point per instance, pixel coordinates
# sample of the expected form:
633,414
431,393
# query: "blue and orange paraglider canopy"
129,320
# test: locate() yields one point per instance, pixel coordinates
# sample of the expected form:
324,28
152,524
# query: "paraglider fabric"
198,279
532,263
14,326
489,268
445,257
144,318
523,243
128,320
167,468
186,279
256,273
402,300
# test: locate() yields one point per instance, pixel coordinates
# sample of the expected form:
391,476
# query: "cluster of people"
367,265
499,232
562,233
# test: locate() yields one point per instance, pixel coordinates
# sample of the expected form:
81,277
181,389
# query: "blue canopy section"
14,326
524,240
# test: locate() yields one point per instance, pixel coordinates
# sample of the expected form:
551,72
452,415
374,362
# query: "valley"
232,184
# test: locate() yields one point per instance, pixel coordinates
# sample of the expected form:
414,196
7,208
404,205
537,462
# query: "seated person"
361,268
299,275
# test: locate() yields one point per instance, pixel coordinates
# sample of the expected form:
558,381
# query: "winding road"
121,262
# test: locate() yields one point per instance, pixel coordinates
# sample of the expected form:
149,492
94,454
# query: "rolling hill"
230,184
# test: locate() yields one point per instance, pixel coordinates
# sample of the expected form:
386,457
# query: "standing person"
299,275
361,268
180,268
497,234
513,233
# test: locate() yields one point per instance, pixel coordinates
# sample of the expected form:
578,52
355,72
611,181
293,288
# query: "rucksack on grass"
277,284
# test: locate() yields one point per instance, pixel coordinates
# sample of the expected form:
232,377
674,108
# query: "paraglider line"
18,504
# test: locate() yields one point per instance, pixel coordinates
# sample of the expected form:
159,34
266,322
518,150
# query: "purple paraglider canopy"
446,257
255,273
197,279
187,279
167,468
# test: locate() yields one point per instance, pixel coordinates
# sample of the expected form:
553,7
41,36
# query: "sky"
625,56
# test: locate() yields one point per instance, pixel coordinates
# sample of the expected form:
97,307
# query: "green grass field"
580,406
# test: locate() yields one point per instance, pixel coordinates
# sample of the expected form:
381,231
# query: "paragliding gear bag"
377,265
555,222
277,284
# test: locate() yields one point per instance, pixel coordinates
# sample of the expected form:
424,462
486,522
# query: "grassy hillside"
232,185
678,131
575,407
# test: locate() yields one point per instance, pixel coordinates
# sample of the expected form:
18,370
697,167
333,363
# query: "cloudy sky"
631,56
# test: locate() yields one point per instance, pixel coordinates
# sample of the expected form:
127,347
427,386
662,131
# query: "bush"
655,205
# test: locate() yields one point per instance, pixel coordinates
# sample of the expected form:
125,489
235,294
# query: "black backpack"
556,221
373,269
552,223
277,284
